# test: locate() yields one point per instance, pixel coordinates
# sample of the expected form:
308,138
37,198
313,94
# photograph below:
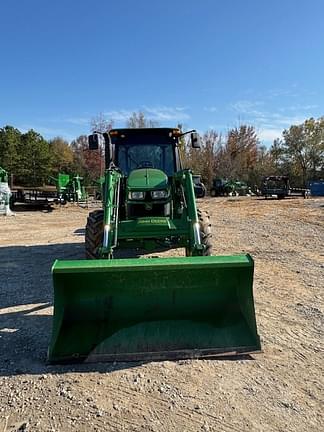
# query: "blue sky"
206,64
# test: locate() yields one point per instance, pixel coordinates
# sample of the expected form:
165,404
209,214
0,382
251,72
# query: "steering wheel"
145,164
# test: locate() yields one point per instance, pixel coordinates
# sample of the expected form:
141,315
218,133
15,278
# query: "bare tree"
87,163
203,161
138,120
238,155
101,124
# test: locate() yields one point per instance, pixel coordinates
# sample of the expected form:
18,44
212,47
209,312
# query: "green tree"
34,164
314,130
61,155
303,147
276,154
10,138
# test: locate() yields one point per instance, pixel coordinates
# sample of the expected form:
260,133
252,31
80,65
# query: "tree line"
237,155
240,155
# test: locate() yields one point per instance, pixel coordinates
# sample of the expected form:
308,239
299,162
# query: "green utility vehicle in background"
69,189
224,187
111,308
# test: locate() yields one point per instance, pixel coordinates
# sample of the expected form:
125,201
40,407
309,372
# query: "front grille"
139,210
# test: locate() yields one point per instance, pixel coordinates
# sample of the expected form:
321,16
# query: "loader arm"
111,189
195,245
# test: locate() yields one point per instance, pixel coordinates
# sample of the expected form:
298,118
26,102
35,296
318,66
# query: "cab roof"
145,135
151,131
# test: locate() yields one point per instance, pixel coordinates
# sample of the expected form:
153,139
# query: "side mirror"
195,140
93,141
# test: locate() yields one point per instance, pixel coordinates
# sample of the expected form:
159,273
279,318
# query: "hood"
147,179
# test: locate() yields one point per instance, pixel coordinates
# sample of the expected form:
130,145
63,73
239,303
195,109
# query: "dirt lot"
280,389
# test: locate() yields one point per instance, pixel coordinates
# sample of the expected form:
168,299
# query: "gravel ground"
280,389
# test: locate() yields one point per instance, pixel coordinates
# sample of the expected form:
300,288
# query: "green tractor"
222,187
108,308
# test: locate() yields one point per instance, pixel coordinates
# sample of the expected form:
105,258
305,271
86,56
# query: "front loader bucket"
152,309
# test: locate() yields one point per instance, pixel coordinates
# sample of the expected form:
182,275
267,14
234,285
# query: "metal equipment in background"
316,187
279,186
77,190
5,194
199,187
65,189
219,188
110,308
33,196
225,187
69,188
242,189
98,188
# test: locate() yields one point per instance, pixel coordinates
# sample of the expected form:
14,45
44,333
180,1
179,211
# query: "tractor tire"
205,231
94,234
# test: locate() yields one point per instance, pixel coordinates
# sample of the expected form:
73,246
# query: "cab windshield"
134,156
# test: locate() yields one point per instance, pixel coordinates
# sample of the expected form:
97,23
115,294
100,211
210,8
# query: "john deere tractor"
148,199
112,308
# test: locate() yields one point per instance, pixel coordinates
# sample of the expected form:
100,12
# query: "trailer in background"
279,186
42,196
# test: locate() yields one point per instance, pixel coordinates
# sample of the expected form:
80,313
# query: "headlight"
159,194
136,195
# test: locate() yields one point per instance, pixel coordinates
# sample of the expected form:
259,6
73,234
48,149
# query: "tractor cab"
145,150
147,158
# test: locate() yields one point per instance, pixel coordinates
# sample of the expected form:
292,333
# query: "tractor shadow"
26,308
22,208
